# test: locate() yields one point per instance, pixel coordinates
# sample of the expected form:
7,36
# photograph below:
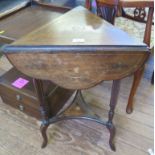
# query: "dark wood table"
21,22
77,51
22,19
7,6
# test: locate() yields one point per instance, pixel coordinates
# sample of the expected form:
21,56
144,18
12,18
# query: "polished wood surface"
7,6
26,20
138,3
129,3
147,34
26,100
84,29
71,70
109,2
138,74
68,65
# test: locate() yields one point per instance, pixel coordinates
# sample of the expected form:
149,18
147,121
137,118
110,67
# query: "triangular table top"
78,27
77,50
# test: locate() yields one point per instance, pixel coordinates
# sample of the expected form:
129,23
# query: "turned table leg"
137,77
43,108
90,115
113,102
43,129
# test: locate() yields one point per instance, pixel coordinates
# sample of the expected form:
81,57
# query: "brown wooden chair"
108,10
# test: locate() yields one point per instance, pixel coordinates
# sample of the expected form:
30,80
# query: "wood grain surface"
106,52
138,3
78,71
79,23
26,20
130,3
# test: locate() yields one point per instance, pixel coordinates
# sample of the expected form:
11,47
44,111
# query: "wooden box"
25,98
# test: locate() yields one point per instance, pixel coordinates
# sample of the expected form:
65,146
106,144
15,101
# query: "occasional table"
77,51
7,6
25,20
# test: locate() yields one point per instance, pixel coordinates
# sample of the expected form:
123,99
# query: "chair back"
107,9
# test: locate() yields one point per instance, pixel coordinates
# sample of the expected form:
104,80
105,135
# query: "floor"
19,134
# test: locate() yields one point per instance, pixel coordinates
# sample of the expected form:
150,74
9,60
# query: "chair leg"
137,77
147,34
